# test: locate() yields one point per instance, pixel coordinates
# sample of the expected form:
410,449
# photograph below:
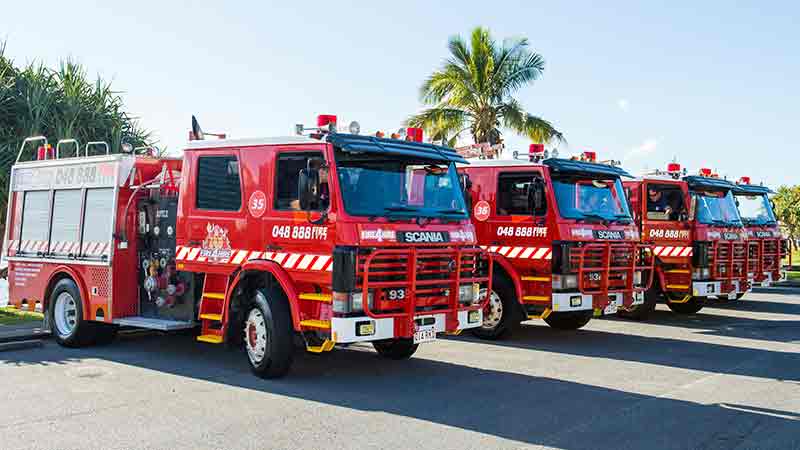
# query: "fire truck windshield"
591,199
398,187
755,209
717,208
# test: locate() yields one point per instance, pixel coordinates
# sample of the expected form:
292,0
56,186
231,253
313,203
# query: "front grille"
604,268
431,273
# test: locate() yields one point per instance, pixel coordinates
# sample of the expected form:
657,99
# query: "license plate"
610,309
425,334
731,295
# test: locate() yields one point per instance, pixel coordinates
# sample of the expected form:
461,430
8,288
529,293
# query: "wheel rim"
65,314
493,313
255,336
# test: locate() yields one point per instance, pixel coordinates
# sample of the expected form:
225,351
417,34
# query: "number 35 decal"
257,204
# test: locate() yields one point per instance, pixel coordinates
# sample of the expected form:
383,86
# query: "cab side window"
515,193
218,185
664,202
288,171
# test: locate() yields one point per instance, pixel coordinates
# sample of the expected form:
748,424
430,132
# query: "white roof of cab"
251,142
499,163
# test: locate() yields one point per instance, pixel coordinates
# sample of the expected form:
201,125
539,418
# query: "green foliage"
787,208
474,89
60,104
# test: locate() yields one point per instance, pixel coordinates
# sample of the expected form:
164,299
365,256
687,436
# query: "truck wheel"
268,334
694,305
66,316
643,311
569,320
500,318
396,349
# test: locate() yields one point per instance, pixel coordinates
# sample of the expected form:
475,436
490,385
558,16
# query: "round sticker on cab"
257,204
481,211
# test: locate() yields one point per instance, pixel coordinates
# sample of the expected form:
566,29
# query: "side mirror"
537,203
466,185
692,206
308,193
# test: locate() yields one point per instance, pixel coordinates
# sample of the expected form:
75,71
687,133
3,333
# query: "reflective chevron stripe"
291,261
521,252
679,251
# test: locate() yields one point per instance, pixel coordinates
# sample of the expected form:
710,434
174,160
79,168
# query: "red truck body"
573,256
329,239
698,239
766,245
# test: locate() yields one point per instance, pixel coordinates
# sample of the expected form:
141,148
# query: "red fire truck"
699,242
319,239
766,246
564,244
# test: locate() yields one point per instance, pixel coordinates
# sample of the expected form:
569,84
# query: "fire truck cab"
321,240
697,236
564,243
766,245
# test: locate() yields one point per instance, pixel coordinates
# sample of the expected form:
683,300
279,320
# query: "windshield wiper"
451,211
596,217
400,208
623,218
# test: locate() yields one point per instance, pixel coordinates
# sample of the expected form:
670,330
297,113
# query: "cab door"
665,218
300,241
517,226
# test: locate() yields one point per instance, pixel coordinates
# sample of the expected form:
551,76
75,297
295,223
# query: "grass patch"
11,316
793,276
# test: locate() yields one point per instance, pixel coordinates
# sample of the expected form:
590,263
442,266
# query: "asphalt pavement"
725,378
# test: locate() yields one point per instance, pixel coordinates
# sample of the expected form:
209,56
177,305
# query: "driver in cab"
657,204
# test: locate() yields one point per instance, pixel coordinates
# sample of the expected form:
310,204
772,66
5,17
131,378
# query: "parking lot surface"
725,378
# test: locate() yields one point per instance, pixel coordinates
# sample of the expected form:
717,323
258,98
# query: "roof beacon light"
589,156
705,172
536,152
744,180
326,121
415,134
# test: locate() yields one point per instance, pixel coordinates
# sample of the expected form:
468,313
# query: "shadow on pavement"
523,408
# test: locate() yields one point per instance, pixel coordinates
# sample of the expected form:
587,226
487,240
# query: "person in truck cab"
657,203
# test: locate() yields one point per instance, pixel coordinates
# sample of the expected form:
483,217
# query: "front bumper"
345,330
599,304
715,289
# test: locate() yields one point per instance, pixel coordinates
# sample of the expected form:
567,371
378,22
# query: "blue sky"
706,82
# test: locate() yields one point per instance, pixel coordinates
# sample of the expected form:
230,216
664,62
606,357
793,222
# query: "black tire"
509,309
70,330
569,320
694,305
396,349
105,333
272,307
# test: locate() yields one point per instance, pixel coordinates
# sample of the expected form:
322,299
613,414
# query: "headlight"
565,282
701,273
637,278
346,302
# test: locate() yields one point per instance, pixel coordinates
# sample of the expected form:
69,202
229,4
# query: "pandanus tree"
474,92
59,103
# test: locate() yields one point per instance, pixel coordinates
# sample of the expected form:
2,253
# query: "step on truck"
564,243
314,240
766,245
698,239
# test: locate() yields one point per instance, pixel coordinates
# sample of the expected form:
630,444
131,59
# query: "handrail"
605,269
32,139
68,141
96,143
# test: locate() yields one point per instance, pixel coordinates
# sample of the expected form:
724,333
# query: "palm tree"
474,91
